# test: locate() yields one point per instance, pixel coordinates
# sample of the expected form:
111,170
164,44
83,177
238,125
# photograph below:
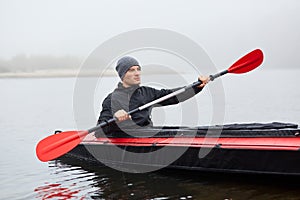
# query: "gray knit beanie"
124,64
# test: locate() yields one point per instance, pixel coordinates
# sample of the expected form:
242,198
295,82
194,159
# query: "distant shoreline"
68,73
52,73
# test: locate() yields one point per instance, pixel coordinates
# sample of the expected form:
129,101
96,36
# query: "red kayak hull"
238,149
280,143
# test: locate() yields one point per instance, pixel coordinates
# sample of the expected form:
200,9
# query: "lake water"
32,109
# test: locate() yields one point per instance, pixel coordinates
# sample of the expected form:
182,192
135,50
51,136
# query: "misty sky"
226,29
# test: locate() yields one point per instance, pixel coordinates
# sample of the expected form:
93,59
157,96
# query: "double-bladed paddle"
59,144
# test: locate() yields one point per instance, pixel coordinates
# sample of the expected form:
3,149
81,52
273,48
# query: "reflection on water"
49,191
80,180
73,183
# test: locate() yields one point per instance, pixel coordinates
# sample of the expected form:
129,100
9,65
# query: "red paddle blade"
57,145
247,63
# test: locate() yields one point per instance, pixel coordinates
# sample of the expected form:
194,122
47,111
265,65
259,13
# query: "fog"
64,32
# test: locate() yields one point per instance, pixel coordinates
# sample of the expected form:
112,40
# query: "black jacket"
134,97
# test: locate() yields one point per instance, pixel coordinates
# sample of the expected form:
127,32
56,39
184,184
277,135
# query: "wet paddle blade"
247,63
57,145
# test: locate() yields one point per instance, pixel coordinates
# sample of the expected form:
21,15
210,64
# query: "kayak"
255,148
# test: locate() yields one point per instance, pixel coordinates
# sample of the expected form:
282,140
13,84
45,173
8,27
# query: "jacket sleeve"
105,115
190,92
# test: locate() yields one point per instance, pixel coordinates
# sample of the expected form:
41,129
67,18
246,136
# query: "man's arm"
105,115
190,92
122,115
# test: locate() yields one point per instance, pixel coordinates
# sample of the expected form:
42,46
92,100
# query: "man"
129,95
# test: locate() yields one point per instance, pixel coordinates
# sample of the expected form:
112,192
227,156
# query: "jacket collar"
131,89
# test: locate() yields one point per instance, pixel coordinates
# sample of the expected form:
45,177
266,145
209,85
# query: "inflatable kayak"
270,148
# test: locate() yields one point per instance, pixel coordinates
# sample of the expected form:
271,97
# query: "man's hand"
122,115
204,79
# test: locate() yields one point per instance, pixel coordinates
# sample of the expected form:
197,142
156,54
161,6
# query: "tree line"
24,63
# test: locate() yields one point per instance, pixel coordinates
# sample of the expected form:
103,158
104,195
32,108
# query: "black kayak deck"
274,129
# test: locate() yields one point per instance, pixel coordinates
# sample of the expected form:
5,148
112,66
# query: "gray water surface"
32,109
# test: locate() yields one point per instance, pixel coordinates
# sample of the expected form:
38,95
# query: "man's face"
132,76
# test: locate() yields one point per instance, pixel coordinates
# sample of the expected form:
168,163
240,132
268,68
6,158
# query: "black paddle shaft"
213,77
